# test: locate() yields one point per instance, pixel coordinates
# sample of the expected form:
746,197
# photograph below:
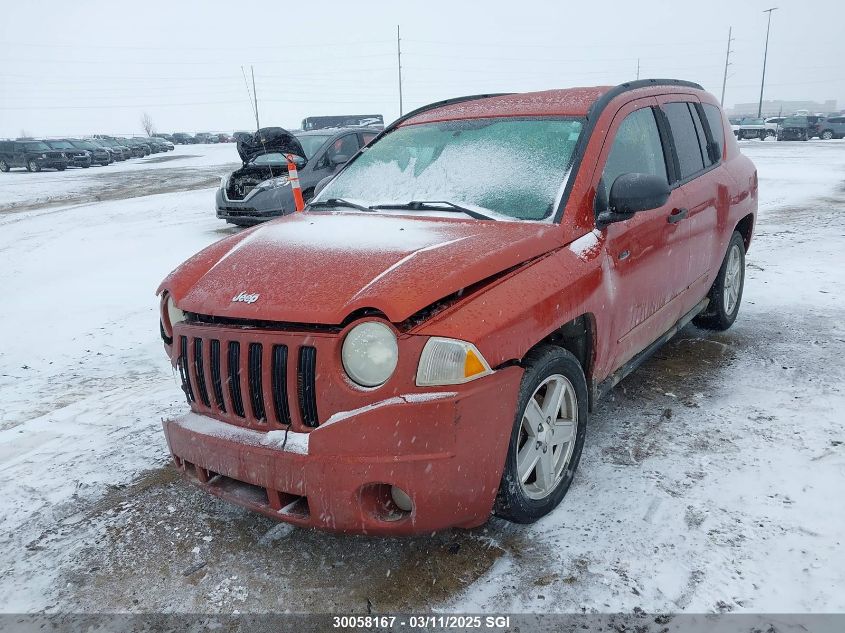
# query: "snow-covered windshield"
515,167
37,145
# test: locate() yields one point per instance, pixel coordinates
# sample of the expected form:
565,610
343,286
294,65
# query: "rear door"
648,254
19,155
697,148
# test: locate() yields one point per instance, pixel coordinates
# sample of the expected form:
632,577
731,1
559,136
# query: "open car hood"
321,267
267,140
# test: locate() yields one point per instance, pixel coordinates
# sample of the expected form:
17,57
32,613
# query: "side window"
717,128
367,137
683,129
702,137
636,149
344,146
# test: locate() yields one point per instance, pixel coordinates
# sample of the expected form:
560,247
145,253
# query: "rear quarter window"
717,127
685,135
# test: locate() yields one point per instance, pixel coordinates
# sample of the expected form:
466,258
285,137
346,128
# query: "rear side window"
717,129
368,136
684,132
636,149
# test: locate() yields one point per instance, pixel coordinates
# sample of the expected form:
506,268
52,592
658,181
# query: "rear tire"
827,135
547,436
726,292
32,166
4,166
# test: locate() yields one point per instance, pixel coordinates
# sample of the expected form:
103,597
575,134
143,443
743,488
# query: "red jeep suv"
422,347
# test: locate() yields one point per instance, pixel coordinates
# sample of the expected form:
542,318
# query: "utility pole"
399,62
765,55
727,63
255,98
638,68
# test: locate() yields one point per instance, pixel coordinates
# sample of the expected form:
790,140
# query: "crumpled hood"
320,267
267,140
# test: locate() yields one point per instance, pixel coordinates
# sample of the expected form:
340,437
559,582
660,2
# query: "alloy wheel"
547,436
733,280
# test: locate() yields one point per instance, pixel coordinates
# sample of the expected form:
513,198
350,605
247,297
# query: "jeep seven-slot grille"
246,382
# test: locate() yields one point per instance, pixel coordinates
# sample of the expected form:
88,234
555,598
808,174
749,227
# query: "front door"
648,254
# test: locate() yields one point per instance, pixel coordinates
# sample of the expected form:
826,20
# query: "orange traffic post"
293,177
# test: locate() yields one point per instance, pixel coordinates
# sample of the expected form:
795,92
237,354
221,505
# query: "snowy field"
712,479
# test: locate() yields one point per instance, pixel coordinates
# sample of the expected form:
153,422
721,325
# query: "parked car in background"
260,190
122,152
832,127
752,128
115,154
31,155
422,347
76,157
773,125
205,138
241,136
163,144
139,148
166,143
224,138
166,137
99,155
182,138
794,128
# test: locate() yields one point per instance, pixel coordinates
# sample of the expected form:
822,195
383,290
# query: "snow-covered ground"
711,479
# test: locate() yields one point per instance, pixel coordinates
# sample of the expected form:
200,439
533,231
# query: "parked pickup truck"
423,345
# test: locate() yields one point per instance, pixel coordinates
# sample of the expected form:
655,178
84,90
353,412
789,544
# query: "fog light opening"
401,499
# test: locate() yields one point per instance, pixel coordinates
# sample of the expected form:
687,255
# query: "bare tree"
147,124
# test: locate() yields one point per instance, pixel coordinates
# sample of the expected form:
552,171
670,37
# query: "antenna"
638,68
249,94
727,63
765,55
399,63
255,97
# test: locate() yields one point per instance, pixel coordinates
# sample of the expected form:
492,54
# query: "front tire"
547,436
4,166
726,292
827,135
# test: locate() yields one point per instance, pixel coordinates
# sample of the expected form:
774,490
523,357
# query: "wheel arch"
745,227
577,336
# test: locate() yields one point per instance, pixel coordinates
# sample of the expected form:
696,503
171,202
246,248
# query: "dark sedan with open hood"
260,190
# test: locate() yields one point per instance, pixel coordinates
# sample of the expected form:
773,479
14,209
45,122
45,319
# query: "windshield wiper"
435,205
338,202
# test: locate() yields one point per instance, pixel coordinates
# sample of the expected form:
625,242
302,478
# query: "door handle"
677,215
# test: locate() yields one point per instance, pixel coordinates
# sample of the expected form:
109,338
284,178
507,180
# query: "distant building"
776,108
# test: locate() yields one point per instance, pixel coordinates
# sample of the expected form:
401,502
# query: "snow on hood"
267,140
320,267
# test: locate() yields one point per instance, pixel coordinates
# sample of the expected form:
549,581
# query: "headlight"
170,315
446,361
43,155
274,183
370,353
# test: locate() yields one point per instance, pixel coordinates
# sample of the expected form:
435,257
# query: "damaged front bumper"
444,450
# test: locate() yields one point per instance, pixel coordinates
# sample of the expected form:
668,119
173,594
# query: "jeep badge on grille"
245,297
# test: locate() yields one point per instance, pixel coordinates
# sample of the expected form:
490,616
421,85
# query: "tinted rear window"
686,138
717,128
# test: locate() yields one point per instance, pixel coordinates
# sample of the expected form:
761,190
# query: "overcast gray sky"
84,66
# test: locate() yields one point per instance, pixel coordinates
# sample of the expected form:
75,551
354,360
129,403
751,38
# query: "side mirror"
632,193
338,159
299,161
